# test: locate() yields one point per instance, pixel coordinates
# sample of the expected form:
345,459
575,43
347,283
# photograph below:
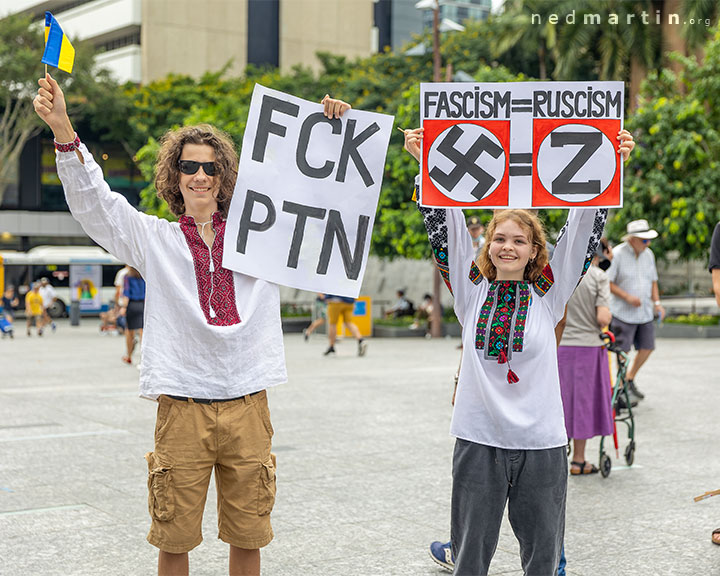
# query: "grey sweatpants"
532,482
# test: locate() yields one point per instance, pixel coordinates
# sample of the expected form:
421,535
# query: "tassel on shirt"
512,378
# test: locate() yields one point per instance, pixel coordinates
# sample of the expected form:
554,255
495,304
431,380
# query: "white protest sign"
306,194
521,144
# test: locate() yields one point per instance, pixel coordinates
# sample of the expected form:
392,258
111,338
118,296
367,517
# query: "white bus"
21,269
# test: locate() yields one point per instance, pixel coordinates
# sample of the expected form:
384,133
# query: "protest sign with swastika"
521,144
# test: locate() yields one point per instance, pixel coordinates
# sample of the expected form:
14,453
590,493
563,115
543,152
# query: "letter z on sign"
575,162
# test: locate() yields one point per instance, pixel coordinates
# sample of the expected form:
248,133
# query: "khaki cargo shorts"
192,439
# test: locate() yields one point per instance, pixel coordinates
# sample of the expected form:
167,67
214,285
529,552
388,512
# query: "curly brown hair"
167,172
532,226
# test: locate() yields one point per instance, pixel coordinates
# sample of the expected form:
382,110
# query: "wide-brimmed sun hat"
640,229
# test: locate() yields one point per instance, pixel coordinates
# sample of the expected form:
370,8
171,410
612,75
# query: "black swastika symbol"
465,163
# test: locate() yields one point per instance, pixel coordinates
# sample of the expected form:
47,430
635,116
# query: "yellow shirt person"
34,303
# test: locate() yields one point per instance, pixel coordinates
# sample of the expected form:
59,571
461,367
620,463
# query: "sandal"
127,359
579,468
716,536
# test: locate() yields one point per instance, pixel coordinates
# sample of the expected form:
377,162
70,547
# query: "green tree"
699,12
474,49
674,178
21,49
612,33
519,24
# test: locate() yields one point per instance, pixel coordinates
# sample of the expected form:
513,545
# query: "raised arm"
106,217
574,251
449,239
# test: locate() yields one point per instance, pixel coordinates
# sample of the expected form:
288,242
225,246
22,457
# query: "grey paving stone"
364,465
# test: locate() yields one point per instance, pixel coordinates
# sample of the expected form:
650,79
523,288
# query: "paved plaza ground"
364,462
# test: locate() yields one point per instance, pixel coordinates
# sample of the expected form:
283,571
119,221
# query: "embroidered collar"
188,220
215,284
500,329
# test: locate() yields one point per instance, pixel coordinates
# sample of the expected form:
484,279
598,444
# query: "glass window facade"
35,185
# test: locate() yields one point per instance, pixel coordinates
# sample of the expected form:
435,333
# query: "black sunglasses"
191,167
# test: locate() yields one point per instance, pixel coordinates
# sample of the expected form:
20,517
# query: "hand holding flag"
50,105
58,50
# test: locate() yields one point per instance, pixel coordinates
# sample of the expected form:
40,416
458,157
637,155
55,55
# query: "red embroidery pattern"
521,317
545,282
498,332
68,146
214,288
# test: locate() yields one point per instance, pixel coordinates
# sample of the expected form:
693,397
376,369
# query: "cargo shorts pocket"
161,492
261,406
166,413
267,487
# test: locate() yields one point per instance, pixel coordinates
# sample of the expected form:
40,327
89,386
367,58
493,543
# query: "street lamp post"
436,327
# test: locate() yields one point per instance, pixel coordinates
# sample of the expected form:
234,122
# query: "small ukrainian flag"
58,50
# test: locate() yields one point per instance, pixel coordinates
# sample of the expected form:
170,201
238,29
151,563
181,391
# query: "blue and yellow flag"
58,50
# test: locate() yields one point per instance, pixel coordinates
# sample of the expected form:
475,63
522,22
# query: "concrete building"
398,21
143,40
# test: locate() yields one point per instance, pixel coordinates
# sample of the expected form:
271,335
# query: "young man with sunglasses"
635,297
212,342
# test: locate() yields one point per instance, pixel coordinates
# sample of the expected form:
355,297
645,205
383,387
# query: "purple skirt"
586,394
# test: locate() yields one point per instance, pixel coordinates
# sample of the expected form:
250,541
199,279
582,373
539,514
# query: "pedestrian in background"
583,365
49,295
34,309
402,306
10,302
477,233
120,303
320,315
635,300
342,307
7,312
423,313
714,267
134,293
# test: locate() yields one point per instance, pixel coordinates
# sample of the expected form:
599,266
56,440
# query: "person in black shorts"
134,291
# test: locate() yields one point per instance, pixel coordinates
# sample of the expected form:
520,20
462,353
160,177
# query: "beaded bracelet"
68,147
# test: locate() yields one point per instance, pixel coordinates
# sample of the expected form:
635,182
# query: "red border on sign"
541,196
431,196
